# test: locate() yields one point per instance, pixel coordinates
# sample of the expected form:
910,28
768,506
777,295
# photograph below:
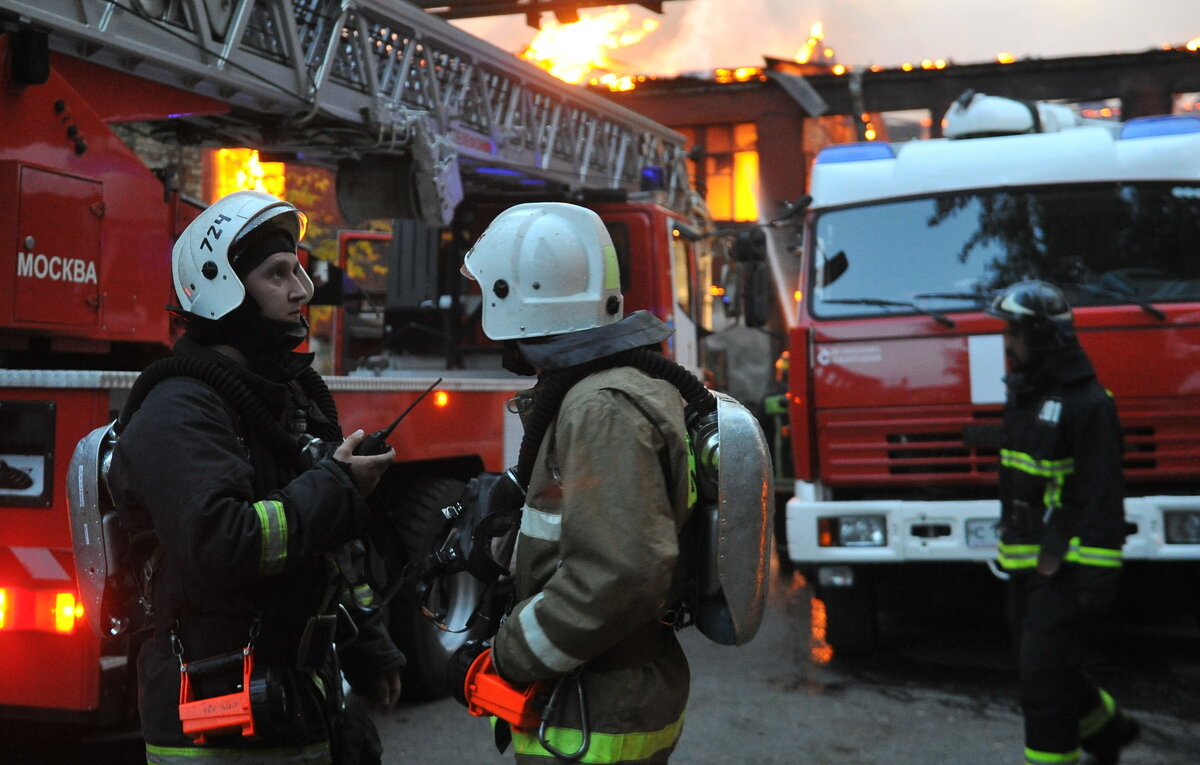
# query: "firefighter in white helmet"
250,538
595,566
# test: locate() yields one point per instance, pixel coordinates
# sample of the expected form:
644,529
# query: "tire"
428,648
850,627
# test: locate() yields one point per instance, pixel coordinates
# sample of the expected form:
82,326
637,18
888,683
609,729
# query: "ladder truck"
424,125
895,395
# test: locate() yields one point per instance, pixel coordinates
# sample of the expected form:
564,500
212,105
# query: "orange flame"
816,34
571,51
820,651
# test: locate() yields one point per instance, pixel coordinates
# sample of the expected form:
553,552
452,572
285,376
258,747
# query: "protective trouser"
1061,704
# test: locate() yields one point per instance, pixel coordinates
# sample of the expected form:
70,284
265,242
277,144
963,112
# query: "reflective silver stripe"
540,524
539,643
273,524
40,563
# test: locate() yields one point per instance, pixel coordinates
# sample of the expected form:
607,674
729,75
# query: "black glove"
460,662
355,740
1096,589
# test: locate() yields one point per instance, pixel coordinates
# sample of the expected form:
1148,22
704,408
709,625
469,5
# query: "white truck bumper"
960,530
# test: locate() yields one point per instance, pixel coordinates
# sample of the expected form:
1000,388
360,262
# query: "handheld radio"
376,443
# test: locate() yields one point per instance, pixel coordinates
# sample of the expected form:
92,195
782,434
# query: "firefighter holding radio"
249,537
1062,524
595,568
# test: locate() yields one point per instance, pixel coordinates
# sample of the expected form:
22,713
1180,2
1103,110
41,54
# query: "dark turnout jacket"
247,538
1061,488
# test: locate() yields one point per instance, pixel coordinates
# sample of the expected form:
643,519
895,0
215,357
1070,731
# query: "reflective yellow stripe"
1091,724
1033,466
1034,757
313,754
602,747
1104,557
364,596
1029,464
1054,471
1025,556
1018,556
273,524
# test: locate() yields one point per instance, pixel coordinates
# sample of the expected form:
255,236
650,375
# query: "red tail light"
39,610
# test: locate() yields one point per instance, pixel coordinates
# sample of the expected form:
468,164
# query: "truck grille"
901,447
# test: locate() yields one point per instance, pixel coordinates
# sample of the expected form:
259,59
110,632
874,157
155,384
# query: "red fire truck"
424,124
896,393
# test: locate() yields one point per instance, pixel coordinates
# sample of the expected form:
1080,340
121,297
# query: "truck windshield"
1103,244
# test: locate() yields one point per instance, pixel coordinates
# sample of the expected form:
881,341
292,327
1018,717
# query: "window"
685,274
1103,244
726,169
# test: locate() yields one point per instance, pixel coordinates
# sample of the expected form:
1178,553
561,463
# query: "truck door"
57,255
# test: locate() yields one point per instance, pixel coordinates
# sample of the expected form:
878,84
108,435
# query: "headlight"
981,532
852,531
1183,527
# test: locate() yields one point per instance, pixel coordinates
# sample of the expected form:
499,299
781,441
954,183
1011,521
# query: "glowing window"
728,171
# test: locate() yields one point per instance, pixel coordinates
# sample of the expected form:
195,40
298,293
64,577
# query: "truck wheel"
427,647
849,619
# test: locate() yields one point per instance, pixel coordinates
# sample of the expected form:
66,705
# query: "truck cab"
896,383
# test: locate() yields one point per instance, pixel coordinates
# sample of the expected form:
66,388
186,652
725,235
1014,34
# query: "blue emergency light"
1153,127
862,151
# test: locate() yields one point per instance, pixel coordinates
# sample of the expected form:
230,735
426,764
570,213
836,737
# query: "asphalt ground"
940,690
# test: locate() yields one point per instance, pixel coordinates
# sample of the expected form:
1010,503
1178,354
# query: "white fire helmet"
545,268
205,282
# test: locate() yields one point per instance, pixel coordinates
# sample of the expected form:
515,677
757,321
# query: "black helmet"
1040,310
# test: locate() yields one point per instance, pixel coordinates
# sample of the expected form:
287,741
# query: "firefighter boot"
1105,747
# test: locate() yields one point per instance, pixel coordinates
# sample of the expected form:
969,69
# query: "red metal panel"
649,265
122,97
42,670
468,424
58,256
800,404
891,371
56,127
37,668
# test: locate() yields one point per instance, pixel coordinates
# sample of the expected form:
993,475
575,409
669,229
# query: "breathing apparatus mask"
478,537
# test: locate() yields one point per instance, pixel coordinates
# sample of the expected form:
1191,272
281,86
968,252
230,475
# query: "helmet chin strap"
264,342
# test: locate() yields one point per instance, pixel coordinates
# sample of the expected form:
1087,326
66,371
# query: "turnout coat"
247,536
596,571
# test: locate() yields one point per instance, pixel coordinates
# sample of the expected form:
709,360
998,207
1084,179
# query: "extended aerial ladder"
377,86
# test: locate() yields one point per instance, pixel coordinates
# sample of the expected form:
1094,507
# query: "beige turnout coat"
595,569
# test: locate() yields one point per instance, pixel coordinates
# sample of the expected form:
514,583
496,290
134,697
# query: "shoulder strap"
700,400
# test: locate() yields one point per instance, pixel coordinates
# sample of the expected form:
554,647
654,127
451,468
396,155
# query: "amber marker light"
4,608
441,398
824,532
66,612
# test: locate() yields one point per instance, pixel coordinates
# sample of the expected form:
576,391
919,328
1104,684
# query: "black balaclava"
266,343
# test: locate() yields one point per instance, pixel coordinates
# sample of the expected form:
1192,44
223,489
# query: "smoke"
699,35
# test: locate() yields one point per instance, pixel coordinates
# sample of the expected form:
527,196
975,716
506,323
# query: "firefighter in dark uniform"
1062,525
253,542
